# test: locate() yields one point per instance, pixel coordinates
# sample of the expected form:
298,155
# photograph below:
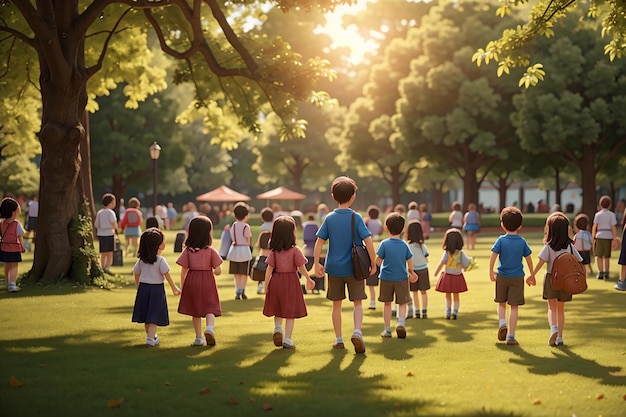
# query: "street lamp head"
155,151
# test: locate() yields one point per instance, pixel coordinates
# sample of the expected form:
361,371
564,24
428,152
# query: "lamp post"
155,151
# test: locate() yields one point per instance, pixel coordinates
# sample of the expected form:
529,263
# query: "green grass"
75,349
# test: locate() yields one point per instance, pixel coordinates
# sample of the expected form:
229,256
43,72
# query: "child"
11,243
239,253
583,241
456,216
131,225
150,302
556,241
375,226
267,215
259,265
336,228
510,249
471,225
106,229
603,231
393,256
200,263
425,219
413,213
415,237
452,280
284,297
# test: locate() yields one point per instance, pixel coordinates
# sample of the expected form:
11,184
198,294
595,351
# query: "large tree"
576,115
451,112
68,44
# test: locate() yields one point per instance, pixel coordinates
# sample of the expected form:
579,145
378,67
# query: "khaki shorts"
337,288
510,290
603,248
399,288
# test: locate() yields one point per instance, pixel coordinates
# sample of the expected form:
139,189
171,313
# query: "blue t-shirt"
394,253
511,249
336,230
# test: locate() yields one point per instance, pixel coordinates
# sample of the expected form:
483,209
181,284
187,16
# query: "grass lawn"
75,352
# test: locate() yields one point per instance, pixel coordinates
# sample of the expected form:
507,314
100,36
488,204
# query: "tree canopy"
66,53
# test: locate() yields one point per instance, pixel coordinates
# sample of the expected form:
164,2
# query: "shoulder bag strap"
352,228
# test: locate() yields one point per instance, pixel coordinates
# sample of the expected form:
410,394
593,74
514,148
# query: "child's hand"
492,276
176,290
310,284
319,270
531,280
413,277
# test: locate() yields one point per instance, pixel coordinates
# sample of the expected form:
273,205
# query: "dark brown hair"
557,231
452,240
343,188
414,232
283,233
200,233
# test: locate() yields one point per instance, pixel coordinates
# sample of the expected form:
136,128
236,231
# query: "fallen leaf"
168,384
267,406
624,397
599,396
215,380
14,382
241,383
115,403
536,401
233,400
204,391
251,399
409,373
396,404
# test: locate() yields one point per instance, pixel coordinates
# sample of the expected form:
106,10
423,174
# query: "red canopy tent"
223,194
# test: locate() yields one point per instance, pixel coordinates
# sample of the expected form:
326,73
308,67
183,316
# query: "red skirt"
283,296
199,295
452,283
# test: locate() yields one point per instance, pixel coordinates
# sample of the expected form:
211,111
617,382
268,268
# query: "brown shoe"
210,338
401,332
512,342
359,344
278,338
502,333
339,345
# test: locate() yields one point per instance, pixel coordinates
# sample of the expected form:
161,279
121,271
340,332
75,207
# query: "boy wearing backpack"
510,248
131,225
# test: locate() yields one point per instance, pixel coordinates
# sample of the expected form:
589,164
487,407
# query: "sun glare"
347,37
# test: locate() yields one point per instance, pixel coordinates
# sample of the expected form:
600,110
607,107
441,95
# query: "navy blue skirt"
151,305
10,256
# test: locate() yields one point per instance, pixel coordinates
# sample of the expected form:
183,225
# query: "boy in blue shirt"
510,248
392,256
336,229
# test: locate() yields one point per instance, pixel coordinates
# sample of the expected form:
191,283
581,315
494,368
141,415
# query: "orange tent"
223,194
281,193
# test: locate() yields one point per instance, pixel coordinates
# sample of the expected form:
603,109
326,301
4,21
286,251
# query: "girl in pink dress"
283,292
200,263
454,262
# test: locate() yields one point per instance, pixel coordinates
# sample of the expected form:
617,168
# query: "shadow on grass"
563,360
79,374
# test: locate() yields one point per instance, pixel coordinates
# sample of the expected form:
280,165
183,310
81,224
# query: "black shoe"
244,296
238,297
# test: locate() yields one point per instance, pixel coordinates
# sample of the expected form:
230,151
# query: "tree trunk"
63,92
470,187
557,188
502,188
85,167
588,179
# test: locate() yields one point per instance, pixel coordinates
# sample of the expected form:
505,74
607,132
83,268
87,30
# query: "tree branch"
105,46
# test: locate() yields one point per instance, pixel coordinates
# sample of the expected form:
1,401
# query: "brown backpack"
568,274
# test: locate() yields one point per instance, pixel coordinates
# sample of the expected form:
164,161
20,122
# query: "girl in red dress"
283,292
200,263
